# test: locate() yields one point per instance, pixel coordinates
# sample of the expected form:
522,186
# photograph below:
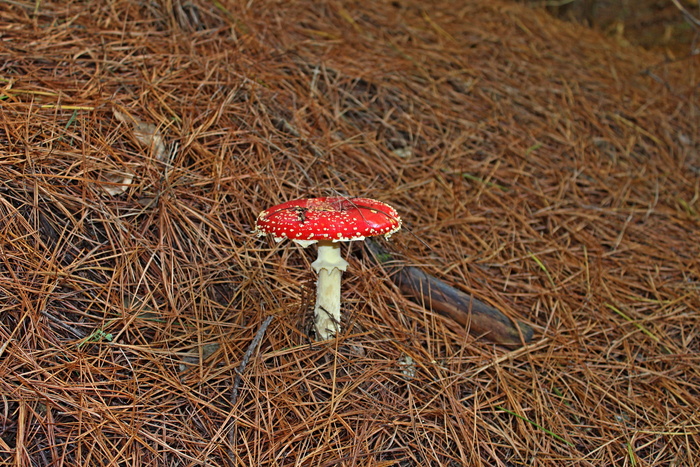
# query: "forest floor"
543,167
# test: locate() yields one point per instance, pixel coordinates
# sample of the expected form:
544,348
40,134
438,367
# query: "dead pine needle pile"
537,166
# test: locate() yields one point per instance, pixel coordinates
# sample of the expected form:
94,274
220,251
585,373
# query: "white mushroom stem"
329,266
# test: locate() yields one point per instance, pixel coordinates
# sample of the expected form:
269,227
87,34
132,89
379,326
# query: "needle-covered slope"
535,165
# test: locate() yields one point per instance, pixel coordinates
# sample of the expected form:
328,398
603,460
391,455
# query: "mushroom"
328,221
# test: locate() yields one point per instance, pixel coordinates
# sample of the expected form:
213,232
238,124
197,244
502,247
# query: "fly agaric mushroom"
328,221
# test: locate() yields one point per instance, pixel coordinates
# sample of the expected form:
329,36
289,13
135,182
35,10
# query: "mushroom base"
329,266
327,309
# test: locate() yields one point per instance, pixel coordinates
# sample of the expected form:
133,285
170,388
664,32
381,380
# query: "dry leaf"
146,134
116,183
193,357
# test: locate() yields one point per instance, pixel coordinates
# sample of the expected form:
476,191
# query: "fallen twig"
477,317
246,358
239,371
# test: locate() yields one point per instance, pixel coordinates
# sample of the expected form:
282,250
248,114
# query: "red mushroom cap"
337,219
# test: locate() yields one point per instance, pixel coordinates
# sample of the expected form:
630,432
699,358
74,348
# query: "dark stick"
237,380
477,317
246,358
